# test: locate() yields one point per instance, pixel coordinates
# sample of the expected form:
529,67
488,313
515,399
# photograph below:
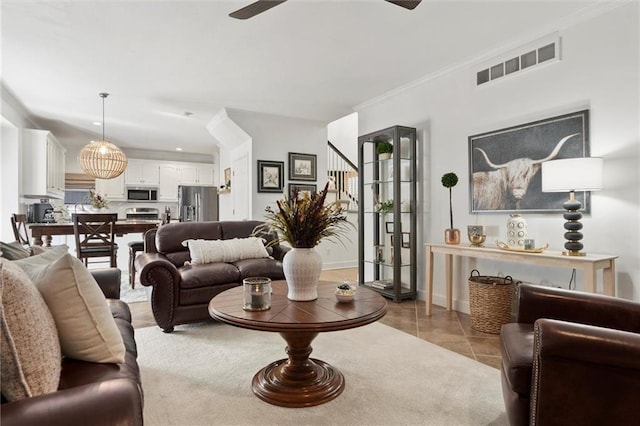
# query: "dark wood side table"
299,381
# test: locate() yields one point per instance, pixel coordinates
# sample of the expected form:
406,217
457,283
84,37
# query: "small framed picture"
302,166
389,227
302,188
227,177
270,176
406,240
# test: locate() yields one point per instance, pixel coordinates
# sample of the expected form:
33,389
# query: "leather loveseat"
571,358
89,393
181,292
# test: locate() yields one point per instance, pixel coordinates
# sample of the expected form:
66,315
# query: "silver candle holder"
256,294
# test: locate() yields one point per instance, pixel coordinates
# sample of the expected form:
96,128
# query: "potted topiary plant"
384,149
451,235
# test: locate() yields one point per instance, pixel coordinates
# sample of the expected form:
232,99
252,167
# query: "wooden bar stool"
134,248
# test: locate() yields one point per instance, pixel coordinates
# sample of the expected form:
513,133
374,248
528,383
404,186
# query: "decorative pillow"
47,257
14,251
29,347
35,250
209,251
86,327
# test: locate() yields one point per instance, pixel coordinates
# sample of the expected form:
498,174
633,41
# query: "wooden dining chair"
19,225
95,236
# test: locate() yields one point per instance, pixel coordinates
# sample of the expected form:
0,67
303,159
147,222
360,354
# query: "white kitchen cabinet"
168,189
197,174
142,173
43,160
112,189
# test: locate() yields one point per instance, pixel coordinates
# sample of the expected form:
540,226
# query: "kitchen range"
142,213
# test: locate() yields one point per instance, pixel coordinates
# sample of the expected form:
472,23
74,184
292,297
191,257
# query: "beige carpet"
201,375
131,295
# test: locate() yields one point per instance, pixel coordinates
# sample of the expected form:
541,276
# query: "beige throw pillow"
30,356
14,251
86,327
208,251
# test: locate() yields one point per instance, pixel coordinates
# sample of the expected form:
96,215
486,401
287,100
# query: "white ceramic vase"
516,231
302,267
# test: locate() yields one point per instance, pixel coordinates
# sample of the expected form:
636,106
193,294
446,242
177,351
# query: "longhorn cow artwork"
505,164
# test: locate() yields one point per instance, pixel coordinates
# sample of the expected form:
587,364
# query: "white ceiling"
308,59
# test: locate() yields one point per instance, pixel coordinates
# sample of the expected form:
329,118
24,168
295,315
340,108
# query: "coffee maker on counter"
41,212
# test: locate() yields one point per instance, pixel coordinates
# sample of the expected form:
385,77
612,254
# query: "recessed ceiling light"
97,123
178,149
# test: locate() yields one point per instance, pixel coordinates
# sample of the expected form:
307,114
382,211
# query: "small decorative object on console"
451,235
476,235
516,231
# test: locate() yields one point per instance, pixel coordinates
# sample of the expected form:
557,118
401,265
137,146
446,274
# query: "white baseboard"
441,300
340,264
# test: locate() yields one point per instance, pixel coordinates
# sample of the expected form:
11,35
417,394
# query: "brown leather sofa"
89,393
181,293
571,358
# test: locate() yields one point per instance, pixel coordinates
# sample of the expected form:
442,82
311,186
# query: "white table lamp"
570,175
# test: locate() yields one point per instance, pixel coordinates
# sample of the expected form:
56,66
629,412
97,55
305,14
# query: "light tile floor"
451,330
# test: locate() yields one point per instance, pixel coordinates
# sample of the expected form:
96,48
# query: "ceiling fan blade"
407,4
255,8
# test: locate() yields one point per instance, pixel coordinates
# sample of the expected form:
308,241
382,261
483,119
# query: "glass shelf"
385,182
386,161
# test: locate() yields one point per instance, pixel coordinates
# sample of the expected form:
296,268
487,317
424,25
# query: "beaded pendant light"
102,159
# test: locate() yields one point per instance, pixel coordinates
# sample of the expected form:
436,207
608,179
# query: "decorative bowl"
477,239
344,295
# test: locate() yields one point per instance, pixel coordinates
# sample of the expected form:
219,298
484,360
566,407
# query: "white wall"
273,137
343,134
599,70
14,117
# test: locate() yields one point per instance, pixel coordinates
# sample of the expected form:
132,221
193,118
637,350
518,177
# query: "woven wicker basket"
490,301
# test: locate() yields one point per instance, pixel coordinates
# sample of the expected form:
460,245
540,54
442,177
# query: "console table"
589,264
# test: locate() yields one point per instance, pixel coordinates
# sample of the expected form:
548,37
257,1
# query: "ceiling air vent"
541,51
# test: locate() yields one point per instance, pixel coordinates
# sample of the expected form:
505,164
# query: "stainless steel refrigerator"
197,203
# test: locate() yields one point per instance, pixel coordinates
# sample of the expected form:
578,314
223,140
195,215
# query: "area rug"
131,295
201,375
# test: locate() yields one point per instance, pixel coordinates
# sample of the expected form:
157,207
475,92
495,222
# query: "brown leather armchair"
571,358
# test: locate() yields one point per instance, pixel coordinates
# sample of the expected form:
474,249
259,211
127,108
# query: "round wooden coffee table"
299,381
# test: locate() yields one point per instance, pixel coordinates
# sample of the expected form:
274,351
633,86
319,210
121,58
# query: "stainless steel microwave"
142,194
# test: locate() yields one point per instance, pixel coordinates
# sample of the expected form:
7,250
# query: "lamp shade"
102,160
572,174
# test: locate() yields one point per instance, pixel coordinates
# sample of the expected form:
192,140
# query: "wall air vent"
541,51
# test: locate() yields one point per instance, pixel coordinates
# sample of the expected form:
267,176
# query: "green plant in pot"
451,235
384,149
385,207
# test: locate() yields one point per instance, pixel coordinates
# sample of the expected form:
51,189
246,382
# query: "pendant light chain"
103,96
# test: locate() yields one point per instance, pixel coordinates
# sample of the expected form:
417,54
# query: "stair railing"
344,175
